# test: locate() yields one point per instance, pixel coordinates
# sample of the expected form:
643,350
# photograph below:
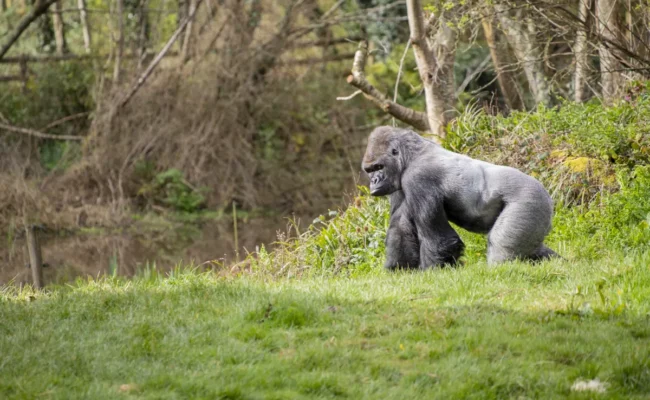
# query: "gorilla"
430,186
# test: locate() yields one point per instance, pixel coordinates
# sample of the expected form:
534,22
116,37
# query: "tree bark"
59,28
507,82
120,42
40,7
522,39
83,15
434,68
611,77
581,53
444,47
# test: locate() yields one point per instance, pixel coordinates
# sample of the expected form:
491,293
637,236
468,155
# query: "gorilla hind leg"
519,233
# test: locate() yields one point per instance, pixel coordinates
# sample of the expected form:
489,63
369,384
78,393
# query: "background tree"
581,51
59,28
611,75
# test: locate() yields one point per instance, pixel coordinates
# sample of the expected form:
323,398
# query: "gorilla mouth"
378,185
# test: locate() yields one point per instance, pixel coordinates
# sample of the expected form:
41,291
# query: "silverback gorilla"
430,186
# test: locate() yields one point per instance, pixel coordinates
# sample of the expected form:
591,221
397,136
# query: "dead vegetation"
231,117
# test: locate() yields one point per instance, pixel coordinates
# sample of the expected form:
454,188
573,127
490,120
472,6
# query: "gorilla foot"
543,253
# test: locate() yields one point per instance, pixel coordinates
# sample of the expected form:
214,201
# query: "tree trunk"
444,47
611,77
434,69
83,15
59,28
522,39
3,5
507,82
120,42
581,52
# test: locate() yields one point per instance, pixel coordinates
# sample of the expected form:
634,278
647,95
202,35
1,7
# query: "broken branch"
416,119
31,132
350,96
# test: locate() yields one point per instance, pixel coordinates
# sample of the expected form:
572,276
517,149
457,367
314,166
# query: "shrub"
169,188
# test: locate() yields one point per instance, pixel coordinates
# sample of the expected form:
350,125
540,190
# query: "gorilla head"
385,159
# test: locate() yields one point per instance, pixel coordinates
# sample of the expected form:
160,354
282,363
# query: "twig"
318,60
327,42
350,96
482,66
145,75
399,72
64,120
332,9
37,134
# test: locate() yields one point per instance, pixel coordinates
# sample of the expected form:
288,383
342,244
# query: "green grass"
319,318
517,330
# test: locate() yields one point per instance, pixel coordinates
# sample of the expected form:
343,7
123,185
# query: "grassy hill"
318,318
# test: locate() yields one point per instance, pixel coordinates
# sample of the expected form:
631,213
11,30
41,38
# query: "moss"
581,165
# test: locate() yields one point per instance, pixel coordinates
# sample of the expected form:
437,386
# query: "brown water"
128,253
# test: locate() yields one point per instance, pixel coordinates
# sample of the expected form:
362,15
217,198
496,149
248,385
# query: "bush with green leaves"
57,99
574,149
171,189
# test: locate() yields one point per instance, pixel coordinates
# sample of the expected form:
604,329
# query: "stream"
130,252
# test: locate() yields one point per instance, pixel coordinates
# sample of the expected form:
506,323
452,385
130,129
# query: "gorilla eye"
395,152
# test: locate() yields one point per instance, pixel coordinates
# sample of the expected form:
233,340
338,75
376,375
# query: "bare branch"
328,42
399,72
64,120
145,75
358,92
41,135
414,118
317,60
471,75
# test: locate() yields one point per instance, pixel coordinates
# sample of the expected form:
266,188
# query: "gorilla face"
382,163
